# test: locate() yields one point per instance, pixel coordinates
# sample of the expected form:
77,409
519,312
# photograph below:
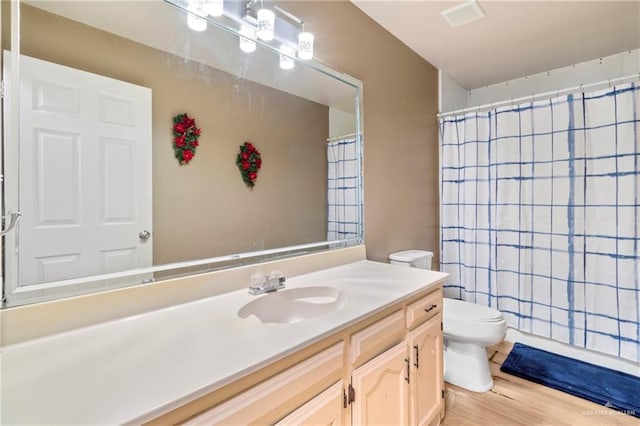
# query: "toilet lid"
409,255
470,311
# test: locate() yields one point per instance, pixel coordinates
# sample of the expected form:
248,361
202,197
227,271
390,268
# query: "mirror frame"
86,285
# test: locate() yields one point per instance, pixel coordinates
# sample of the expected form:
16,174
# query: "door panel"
54,268
55,175
117,181
55,98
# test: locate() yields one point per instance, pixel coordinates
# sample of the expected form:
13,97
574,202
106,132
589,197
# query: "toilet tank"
414,258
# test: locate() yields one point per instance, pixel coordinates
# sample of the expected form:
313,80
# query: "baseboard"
585,355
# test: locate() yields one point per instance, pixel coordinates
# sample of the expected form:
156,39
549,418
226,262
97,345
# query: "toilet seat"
466,311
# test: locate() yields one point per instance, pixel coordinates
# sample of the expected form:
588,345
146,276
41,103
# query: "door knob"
144,235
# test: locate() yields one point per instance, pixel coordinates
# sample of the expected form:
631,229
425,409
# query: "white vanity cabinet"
385,369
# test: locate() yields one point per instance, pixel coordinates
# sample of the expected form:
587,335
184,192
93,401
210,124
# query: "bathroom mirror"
91,163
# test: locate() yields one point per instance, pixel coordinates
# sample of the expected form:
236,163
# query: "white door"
85,174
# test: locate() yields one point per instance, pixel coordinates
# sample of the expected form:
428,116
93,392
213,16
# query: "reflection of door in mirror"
85,174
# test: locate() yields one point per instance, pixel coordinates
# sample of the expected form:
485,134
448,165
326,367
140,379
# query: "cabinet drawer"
266,399
371,341
423,309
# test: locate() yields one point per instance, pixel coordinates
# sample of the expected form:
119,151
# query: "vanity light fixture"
291,34
196,23
195,14
255,24
266,24
305,44
287,53
214,7
247,37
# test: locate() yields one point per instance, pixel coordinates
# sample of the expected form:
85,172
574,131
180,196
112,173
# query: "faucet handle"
278,276
257,280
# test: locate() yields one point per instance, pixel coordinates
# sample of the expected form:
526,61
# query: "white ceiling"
516,38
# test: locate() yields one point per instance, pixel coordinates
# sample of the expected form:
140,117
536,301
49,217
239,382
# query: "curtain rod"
539,95
337,138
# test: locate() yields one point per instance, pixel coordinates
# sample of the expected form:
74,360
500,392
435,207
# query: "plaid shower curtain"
342,189
540,216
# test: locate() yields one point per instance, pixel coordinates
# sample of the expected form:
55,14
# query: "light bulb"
214,7
195,14
247,38
305,45
266,24
287,53
195,22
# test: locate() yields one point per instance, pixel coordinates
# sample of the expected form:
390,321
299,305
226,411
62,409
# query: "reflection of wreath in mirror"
249,162
185,138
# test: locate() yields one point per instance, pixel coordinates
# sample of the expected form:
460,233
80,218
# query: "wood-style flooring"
515,401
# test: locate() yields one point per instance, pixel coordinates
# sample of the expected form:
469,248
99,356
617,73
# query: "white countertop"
137,368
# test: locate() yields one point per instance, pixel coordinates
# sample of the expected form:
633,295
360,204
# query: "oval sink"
293,305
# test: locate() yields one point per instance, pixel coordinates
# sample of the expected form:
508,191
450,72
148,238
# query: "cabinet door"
425,346
324,409
380,389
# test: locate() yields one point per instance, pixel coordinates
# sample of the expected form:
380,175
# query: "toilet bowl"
468,329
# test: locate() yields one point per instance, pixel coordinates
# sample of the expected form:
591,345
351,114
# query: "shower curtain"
342,194
540,216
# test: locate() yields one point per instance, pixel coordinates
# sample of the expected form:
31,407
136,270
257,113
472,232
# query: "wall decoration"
185,138
249,162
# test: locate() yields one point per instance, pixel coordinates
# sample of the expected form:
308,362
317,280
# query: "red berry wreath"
185,138
249,162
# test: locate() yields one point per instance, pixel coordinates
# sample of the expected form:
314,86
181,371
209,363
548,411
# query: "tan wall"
400,125
204,209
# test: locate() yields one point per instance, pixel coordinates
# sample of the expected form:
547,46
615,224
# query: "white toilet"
468,330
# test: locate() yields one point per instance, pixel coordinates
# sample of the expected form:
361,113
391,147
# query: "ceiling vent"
464,13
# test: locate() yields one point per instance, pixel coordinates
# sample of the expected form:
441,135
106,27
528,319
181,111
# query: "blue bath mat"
613,389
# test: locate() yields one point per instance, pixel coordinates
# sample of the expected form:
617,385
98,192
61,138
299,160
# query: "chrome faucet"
260,284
